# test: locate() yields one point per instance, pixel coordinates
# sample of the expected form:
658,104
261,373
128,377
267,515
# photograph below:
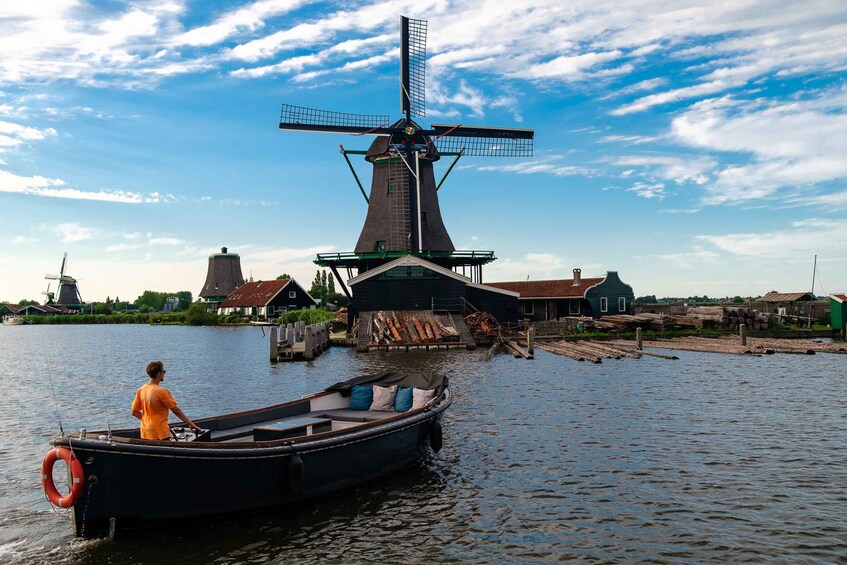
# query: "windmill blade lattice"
483,141
299,118
413,67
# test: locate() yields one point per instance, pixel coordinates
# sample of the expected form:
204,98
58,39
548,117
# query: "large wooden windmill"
67,291
404,217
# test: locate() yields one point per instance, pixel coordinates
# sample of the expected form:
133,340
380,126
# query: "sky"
693,147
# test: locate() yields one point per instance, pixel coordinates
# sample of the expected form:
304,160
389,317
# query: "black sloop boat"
243,461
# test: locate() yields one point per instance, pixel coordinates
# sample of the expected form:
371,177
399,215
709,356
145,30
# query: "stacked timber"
717,316
484,326
409,328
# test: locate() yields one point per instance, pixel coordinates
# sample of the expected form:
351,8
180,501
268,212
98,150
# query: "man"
152,403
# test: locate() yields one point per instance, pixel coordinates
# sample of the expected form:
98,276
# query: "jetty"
298,341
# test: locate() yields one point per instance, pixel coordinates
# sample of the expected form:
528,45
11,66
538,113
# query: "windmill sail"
403,209
413,67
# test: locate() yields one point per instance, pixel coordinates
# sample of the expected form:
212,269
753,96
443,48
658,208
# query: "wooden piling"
742,329
639,339
274,345
530,340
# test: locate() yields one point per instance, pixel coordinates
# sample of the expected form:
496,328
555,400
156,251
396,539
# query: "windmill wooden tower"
67,291
404,216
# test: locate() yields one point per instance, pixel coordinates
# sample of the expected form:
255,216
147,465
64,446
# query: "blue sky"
694,147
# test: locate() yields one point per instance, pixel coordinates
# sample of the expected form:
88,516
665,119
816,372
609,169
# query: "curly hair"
154,368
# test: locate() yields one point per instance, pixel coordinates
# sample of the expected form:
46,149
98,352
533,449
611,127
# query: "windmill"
67,291
403,215
49,295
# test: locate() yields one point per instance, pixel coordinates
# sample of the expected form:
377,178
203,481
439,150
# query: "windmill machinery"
67,291
403,215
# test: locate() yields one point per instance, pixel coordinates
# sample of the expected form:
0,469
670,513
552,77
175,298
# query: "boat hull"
129,486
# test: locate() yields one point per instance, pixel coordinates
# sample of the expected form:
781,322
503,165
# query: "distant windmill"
68,292
403,211
49,295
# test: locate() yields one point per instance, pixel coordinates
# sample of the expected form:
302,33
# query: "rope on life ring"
77,475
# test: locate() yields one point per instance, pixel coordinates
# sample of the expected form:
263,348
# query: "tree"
283,276
649,299
26,302
318,289
331,287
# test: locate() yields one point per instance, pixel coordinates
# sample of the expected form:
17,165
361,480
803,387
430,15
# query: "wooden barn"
267,299
413,283
553,299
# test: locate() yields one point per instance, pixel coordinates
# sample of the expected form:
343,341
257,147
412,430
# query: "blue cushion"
403,400
361,397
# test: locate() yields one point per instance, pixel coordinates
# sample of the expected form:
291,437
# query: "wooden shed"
267,299
838,312
413,283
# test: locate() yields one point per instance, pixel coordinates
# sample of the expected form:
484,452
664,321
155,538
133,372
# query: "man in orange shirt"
152,403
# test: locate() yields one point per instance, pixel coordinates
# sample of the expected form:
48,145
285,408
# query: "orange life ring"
77,475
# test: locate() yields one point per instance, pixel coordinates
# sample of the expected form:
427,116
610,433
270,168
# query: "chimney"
223,249
577,277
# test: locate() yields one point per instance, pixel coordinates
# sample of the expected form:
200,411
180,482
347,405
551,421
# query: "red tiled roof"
12,308
786,297
840,297
258,293
560,288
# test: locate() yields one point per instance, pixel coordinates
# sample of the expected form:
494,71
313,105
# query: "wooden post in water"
742,329
289,333
530,340
639,339
309,342
274,345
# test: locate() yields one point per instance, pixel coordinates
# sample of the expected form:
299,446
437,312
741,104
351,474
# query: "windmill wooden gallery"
404,259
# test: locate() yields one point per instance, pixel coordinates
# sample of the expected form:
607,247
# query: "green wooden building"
838,309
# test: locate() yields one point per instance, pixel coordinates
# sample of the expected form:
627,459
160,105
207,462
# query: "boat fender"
295,475
435,439
76,478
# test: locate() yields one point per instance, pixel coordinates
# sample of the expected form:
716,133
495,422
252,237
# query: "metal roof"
787,297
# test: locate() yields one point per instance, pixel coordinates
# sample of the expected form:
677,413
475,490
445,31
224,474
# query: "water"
709,458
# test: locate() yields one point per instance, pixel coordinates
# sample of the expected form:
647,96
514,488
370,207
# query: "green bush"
309,316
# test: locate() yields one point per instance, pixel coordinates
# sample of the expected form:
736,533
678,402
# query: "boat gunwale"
261,449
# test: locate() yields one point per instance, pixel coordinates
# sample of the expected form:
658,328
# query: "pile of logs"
484,326
408,328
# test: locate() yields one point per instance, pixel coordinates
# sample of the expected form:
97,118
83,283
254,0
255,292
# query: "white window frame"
292,294
528,308
604,304
574,307
621,303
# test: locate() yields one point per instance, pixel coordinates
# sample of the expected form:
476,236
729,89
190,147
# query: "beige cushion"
384,398
421,396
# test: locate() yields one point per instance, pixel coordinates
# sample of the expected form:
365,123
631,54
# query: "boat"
12,320
273,456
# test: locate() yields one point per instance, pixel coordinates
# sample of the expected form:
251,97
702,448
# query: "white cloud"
54,188
536,266
789,143
692,259
645,190
680,170
72,232
546,166
803,238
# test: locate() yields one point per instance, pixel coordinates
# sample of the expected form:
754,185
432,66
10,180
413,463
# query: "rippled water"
709,458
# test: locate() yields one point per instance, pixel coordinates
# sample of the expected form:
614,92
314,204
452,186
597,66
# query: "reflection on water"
709,458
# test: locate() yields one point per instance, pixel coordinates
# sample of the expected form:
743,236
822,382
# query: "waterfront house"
553,299
838,312
267,299
787,305
413,283
9,310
